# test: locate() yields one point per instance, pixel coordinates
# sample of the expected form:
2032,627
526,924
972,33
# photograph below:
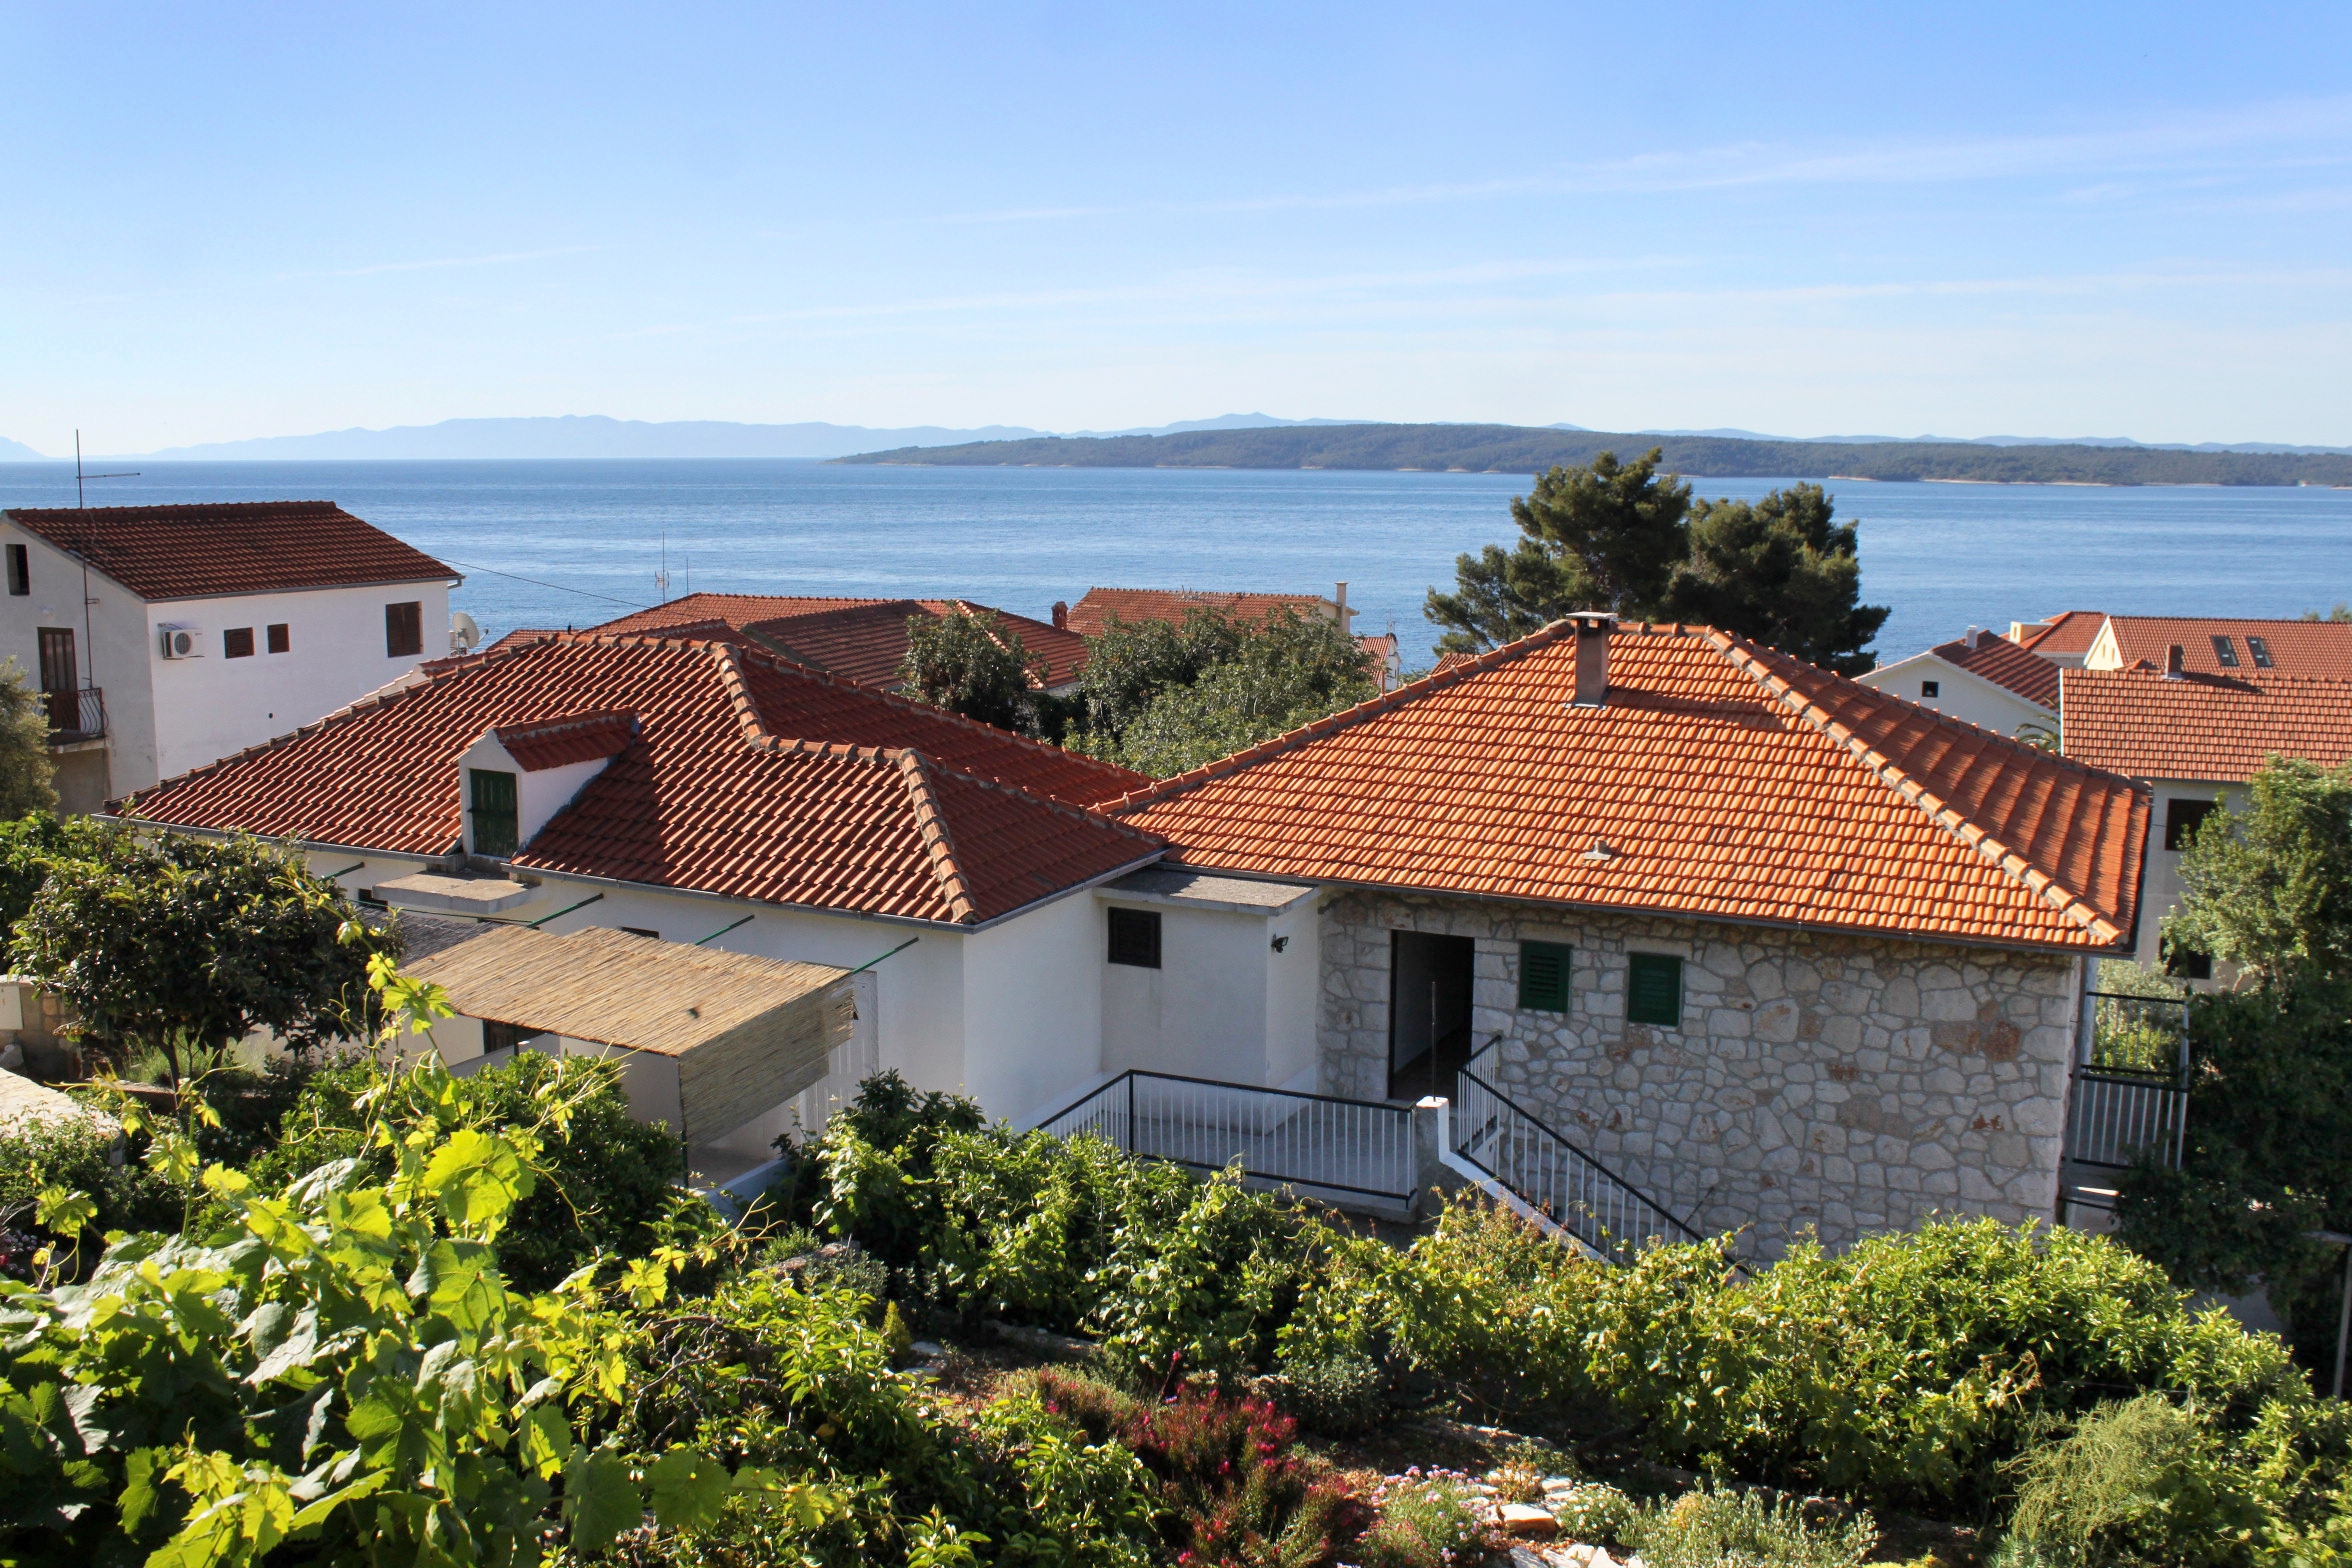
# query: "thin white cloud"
500,259
2206,142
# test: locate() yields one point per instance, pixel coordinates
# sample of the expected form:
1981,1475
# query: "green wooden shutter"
1653,990
1543,977
495,820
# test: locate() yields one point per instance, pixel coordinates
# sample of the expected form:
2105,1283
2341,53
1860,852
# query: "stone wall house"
1782,951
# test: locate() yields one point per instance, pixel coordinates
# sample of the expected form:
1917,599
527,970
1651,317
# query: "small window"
1543,977
1931,688
2181,818
2261,651
404,629
237,643
493,806
1653,990
281,638
1135,937
373,899
2226,652
498,1036
641,931
20,571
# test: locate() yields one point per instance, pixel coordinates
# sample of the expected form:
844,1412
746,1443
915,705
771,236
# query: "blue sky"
2044,219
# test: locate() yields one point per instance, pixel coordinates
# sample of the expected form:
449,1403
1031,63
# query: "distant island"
1516,449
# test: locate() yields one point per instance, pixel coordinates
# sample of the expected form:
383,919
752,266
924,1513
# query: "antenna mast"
81,505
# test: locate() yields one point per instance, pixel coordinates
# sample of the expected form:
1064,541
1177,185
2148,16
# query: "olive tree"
970,662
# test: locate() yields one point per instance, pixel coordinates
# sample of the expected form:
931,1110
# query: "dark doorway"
59,676
1428,1012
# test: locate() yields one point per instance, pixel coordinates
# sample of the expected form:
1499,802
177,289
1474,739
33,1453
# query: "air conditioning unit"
182,642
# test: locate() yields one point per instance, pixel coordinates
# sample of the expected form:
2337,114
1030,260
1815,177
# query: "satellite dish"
465,633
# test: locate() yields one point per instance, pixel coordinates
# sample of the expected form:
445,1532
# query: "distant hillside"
17,452
582,435
1513,449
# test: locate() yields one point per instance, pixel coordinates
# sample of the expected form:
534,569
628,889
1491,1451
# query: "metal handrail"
75,715
1119,1096
1629,1195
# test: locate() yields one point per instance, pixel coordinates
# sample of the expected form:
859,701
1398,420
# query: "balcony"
75,717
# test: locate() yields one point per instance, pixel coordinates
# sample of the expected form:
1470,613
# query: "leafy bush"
1234,1488
1596,1512
1339,1396
1908,1369
79,1157
608,1179
2138,1482
1429,1524
1716,1527
1175,1274
343,1366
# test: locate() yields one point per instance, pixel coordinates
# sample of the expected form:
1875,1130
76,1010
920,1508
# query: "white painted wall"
1033,1008
109,646
208,707
1294,993
1204,1011
1969,698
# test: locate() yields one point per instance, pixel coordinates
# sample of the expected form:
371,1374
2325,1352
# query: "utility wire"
558,587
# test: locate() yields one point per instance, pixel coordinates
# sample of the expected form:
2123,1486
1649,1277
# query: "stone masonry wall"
1846,1085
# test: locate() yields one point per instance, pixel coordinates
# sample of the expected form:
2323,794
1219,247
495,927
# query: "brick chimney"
2174,669
1592,658
1061,614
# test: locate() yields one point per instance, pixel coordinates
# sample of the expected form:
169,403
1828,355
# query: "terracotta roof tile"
862,640
2321,648
2138,723
2005,664
556,743
752,777
194,552
2070,632
1093,614
1720,780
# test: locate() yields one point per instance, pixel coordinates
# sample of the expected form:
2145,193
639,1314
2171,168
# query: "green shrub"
1429,1524
1717,1527
1595,1512
609,1179
79,1157
2138,1482
1337,1395
2301,1456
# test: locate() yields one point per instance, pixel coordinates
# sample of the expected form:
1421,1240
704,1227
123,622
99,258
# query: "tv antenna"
79,476
661,579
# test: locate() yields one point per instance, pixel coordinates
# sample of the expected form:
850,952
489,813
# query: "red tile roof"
750,777
2138,723
1090,616
556,743
2322,648
1721,780
197,552
861,640
2070,632
2005,664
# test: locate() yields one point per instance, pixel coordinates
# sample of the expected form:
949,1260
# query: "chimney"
1340,598
1592,658
2174,670
1974,636
1061,614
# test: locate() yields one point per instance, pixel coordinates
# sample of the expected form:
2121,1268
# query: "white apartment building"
166,637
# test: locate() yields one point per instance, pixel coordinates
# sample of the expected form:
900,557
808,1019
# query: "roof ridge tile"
931,826
1940,811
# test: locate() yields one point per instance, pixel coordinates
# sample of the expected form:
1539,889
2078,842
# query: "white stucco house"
2194,739
1783,951
163,637
1979,678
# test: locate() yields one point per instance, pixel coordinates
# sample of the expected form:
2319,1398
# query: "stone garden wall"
1840,1084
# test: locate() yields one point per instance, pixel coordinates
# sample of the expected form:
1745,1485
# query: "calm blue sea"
574,543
